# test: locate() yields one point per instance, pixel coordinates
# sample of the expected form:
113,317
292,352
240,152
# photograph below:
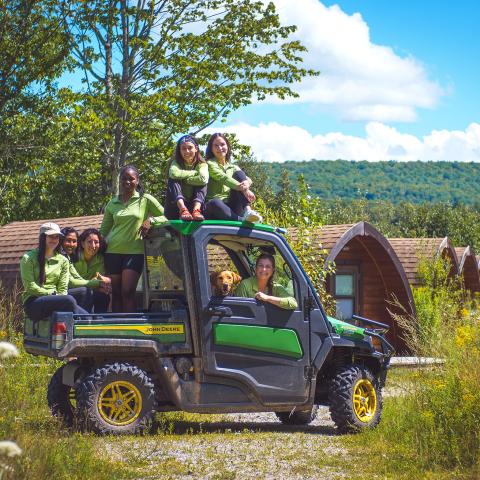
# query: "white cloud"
273,142
359,80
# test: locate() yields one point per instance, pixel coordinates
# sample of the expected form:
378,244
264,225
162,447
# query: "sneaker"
197,215
252,216
185,215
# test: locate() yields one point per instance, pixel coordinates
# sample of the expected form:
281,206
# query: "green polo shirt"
190,176
82,274
249,288
56,275
121,222
221,179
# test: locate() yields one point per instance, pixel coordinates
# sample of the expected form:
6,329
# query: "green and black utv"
192,350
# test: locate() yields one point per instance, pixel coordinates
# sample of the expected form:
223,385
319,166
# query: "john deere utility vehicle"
189,349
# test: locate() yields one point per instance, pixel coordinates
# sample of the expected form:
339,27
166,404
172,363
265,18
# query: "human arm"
29,280
217,173
154,215
107,222
175,172
76,280
62,280
201,175
281,298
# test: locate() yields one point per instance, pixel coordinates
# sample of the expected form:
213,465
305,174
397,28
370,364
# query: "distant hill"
415,182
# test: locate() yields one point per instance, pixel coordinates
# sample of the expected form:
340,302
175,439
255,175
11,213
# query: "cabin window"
238,255
345,293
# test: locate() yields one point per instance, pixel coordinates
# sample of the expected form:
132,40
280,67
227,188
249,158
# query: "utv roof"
187,228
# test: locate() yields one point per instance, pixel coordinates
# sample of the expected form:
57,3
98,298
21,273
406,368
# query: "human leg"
217,209
129,286
41,307
83,297
116,292
101,301
198,203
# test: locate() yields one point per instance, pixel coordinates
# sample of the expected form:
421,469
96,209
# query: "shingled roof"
411,250
468,268
16,238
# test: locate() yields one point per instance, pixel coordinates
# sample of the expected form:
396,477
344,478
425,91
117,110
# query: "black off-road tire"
61,399
118,398
355,399
298,417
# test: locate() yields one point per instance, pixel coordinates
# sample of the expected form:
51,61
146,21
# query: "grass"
201,446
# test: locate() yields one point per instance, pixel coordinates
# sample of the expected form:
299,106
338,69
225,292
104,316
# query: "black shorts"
115,263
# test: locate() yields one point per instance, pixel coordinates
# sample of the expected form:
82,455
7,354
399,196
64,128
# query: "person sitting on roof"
228,195
263,288
45,274
187,182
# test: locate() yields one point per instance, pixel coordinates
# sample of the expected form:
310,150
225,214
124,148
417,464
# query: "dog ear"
236,278
213,277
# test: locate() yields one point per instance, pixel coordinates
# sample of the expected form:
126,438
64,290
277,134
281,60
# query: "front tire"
298,417
355,399
61,398
118,398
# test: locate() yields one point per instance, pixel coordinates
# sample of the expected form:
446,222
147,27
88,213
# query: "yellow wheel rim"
364,400
120,403
72,398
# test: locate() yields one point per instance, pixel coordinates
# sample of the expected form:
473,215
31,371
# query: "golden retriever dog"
224,282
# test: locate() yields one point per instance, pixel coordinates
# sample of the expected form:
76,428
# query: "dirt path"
236,446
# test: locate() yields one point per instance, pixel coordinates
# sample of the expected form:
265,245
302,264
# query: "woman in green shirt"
263,288
127,218
228,195
45,273
90,266
187,182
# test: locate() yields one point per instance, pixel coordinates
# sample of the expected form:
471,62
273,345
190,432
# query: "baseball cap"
50,228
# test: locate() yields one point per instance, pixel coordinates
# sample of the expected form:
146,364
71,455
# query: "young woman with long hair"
45,275
187,182
128,217
228,195
263,288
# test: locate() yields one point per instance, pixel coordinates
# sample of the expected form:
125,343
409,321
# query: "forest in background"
414,182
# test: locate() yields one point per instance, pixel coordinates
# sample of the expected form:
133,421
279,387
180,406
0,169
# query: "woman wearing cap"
228,196
187,182
128,217
45,273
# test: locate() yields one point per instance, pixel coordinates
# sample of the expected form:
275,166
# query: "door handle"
219,311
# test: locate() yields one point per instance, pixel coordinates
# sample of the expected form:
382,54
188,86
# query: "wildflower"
7,350
10,449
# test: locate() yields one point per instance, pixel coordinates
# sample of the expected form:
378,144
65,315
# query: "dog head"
224,282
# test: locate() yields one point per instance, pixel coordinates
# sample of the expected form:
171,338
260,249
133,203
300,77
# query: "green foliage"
438,302
413,182
157,69
33,50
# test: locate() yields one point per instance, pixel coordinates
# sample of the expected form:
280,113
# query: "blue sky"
400,80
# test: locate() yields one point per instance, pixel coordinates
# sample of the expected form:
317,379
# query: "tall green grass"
435,426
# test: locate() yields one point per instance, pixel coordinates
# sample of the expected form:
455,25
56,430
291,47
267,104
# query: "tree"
153,69
33,48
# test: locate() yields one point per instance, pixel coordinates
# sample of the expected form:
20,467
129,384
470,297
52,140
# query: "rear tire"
298,417
355,399
61,398
118,398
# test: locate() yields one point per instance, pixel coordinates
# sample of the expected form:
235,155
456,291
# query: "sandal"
185,215
197,215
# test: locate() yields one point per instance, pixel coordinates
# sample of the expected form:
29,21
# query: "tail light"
59,335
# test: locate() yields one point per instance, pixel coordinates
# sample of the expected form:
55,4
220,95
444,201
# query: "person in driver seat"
263,288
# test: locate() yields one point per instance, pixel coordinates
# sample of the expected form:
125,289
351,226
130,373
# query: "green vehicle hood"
345,329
